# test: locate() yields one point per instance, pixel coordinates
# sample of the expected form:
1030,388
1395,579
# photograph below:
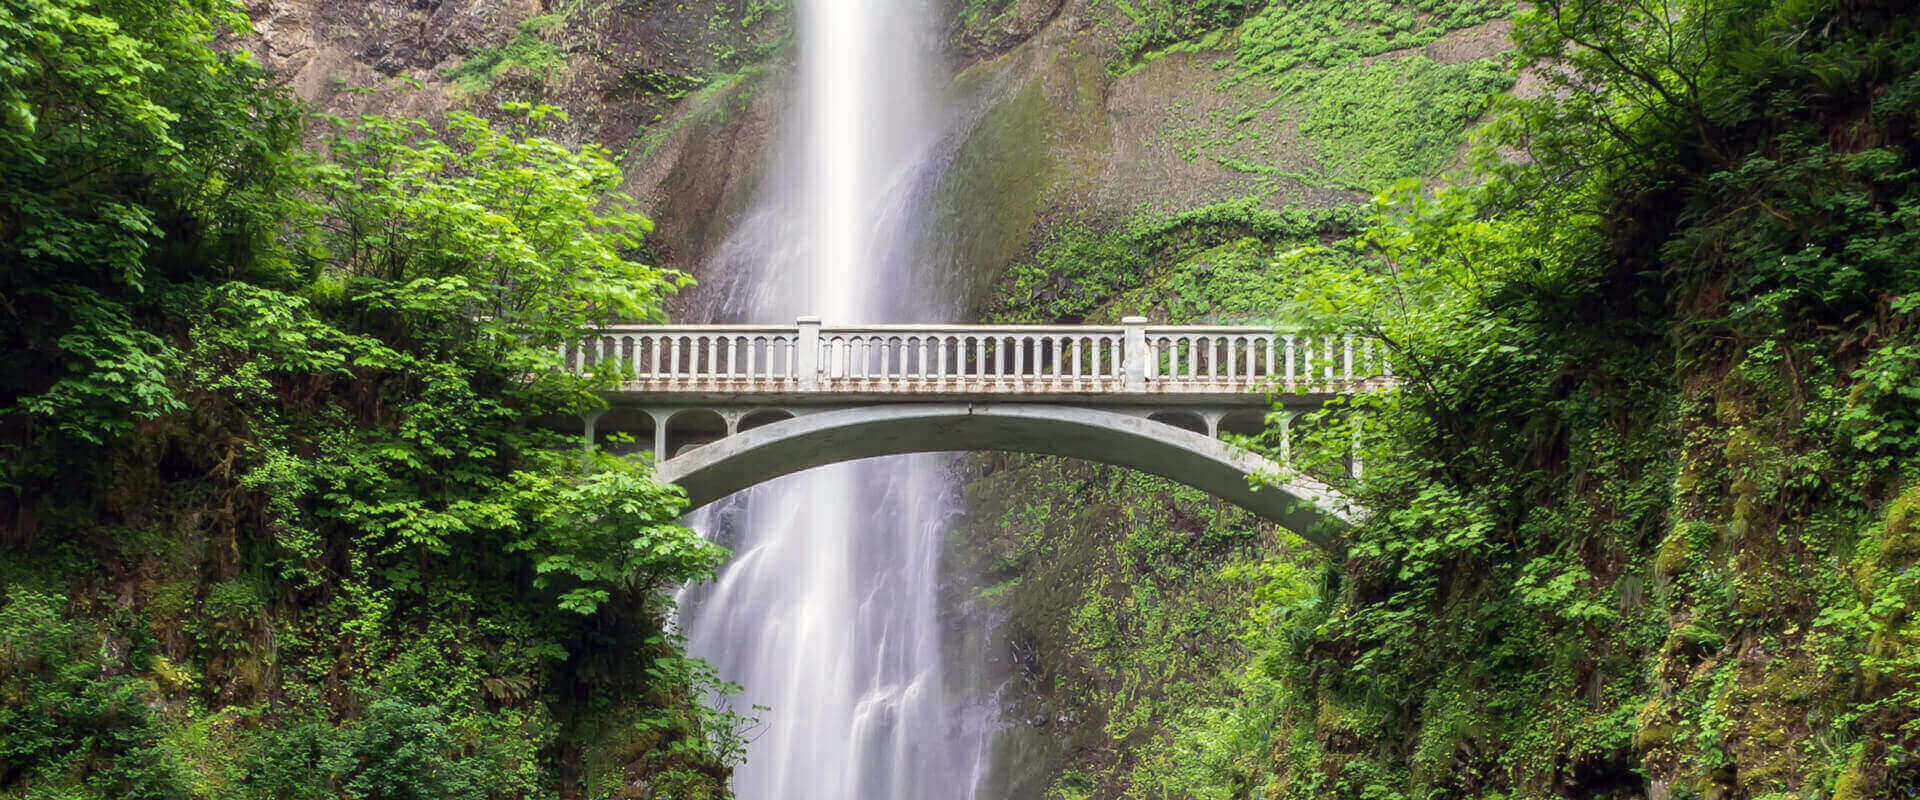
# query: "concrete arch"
715,470
763,416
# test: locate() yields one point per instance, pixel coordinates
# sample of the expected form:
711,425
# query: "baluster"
1232,343
1328,369
1348,360
1288,352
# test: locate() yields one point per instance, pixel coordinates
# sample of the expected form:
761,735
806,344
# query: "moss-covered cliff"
1641,503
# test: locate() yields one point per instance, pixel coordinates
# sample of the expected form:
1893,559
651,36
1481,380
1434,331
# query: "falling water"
827,613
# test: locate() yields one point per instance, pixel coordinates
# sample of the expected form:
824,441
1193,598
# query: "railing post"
809,352
1289,354
1135,355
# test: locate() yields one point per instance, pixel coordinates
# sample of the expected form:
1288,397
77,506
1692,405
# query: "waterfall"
827,613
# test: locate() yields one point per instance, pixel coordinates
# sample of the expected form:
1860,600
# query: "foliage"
1644,501
528,53
1154,24
282,517
1398,117
1274,45
1215,263
1339,91
1638,519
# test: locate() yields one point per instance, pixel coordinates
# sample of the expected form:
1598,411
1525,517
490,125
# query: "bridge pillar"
1135,354
659,434
1354,458
808,363
586,423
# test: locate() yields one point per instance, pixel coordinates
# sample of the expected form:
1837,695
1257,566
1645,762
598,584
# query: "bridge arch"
717,469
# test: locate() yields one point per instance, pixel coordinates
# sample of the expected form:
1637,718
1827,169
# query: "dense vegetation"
1645,501
277,519
1643,495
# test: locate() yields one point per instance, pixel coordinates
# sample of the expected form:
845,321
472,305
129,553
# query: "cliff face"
1065,112
1094,115
684,94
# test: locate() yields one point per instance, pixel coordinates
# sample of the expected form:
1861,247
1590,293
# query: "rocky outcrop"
673,88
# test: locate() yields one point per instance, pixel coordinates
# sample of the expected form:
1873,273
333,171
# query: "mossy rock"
1900,537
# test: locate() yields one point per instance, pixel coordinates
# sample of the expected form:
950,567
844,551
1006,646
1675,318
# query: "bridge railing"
1132,357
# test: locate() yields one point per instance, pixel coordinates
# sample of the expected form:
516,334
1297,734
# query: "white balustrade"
977,358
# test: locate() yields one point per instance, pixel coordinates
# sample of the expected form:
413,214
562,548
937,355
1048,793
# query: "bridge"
724,407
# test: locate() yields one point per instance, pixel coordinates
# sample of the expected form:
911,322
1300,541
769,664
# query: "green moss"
993,193
1396,118
528,52
1900,539
1222,262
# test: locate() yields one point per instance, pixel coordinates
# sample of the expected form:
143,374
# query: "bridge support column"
586,423
1134,357
659,435
1353,459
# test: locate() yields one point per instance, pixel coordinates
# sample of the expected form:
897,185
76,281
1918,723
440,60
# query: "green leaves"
500,228
613,530
231,362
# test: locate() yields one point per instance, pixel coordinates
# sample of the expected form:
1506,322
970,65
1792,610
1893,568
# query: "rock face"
1064,124
1058,118
672,88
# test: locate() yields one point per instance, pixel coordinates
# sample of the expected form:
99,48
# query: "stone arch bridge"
727,406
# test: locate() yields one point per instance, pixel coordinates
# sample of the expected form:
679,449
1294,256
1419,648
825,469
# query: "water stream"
827,614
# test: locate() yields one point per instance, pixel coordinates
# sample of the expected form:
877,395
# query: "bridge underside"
817,437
